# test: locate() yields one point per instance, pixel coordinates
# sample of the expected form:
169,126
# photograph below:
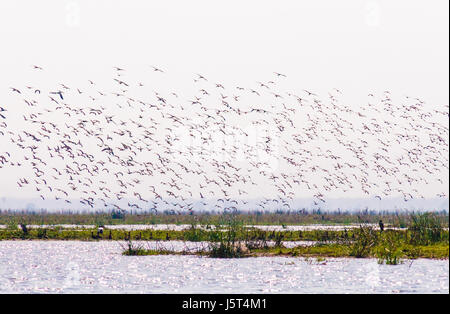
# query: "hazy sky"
354,45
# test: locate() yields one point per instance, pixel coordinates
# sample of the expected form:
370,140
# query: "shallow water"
99,267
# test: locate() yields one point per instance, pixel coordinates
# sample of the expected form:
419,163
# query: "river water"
99,267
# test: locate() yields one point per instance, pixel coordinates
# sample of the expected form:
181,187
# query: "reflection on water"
99,267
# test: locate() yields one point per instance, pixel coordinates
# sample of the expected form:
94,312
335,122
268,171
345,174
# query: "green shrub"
224,239
389,249
366,238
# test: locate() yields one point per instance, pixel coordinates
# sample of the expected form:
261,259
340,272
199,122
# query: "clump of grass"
257,239
132,249
41,233
413,252
11,225
228,250
321,260
278,239
426,228
366,238
386,246
389,250
193,234
224,241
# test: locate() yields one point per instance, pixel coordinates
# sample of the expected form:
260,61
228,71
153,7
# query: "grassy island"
231,235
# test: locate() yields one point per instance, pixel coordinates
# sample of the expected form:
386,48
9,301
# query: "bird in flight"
279,74
143,126
120,82
201,77
309,93
60,93
157,69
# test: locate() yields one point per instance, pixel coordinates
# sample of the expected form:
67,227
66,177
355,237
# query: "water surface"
99,267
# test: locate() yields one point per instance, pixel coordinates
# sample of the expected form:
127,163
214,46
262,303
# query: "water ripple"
99,267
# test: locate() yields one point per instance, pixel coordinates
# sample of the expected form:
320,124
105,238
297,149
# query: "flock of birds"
128,147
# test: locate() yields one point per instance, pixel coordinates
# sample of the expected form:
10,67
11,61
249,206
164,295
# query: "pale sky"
356,46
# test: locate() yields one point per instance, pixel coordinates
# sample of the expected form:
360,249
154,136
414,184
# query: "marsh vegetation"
398,219
231,235
425,237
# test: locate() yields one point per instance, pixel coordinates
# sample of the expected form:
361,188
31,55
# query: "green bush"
389,249
224,239
366,238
